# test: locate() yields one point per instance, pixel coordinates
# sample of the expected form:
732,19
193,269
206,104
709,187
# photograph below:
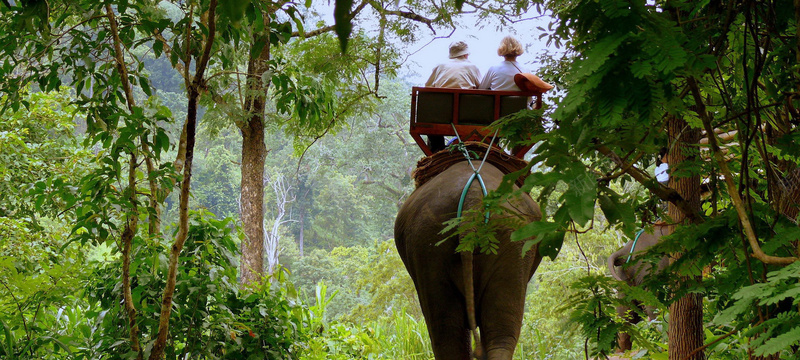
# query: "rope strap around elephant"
633,246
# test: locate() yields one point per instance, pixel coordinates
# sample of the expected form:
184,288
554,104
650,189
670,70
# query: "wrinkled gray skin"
500,280
634,275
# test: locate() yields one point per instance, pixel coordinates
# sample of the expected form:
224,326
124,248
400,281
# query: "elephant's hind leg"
501,317
445,315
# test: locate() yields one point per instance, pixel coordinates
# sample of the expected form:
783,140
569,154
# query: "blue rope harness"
464,194
475,175
633,247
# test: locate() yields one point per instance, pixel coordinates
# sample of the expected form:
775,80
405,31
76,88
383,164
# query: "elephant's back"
431,166
422,216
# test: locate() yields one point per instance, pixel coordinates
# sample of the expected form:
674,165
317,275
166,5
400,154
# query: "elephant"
500,280
634,275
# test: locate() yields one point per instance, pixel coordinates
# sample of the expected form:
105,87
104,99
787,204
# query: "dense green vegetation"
194,179
345,298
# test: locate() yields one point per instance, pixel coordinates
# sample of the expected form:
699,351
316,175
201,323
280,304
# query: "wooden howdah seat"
433,110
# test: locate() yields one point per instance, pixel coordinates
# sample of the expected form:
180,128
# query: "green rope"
633,247
476,173
464,194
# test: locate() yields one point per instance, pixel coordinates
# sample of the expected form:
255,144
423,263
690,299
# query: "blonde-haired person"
501,76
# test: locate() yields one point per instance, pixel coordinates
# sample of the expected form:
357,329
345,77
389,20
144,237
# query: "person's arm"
433,76
486,83
475,76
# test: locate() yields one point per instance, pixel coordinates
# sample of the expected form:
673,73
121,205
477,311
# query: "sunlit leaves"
592,305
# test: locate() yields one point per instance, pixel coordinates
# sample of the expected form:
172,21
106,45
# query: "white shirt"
456,73
501,77
662,172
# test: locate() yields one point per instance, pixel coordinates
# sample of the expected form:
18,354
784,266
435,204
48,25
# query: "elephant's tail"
614,267
469,294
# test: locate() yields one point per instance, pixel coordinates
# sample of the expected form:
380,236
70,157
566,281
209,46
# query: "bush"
212,317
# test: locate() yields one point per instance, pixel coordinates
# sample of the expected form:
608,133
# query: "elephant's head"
624,266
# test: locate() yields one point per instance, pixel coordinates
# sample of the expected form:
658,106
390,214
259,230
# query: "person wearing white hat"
457,73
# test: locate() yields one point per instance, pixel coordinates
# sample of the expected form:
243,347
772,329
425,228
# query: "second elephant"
634,274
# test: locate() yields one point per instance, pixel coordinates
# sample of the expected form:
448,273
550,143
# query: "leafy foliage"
778,334
631,68
212,318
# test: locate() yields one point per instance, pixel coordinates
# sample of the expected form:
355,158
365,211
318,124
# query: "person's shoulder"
497,67
440,66
517,64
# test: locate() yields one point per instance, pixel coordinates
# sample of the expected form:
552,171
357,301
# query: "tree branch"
733,191
132,221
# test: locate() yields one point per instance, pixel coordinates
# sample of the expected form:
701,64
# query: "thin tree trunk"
685,330
183,215
183,230
300,239
131,226
254,153
132,221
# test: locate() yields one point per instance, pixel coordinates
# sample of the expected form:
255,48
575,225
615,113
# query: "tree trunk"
183,209
183,230
132,222
254,153
685,329
300,239
128,234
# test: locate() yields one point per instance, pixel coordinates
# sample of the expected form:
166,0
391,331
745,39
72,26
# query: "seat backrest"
475,109
512,104
434,107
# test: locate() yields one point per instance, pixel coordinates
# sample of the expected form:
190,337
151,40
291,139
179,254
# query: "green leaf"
58,343
580,197
550,244
546,234
9,345
158,48
534,229
778,343
341,13
233,10
162,141
145,85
